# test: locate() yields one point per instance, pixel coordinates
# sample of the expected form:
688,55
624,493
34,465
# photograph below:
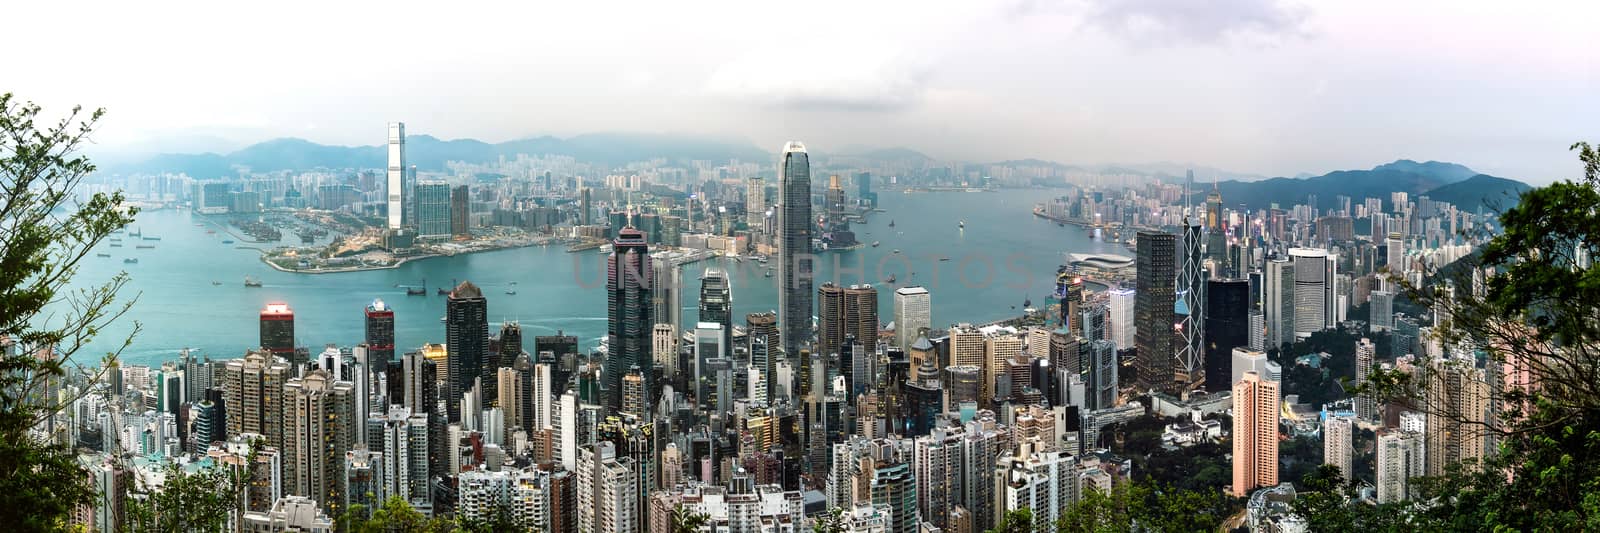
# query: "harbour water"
979,273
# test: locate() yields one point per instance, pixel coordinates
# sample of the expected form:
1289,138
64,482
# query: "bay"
1003,256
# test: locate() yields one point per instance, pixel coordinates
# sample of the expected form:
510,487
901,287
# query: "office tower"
1337,446
1366,406
277,331
1096,316
755,203
321,425
466,335
1245,360
508,397
1400,458
399,195
538,400
1397,254
1122,321
510,344
499,355
1216,236
1458,407
1069,290
253,396
893,486
716,301
1190,312
912,315
846,312
433,209
606,490
1227,327
1258,330
1255,434
1313,287
1101,358
764,368
664,349
1277,304
763,326
998,350
1381,311
665,296
402,437
628,280
460,212
380,336
794,248
1155,299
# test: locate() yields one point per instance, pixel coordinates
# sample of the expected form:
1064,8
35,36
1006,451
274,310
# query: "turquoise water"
1002,256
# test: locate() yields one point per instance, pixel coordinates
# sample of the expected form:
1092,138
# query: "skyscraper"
1255,434
1366,406
399,196
321,424
629,276
716,301
911,315
1123,324
1227,327
1400,458
467,337
1155,299
380,336
253,396
460,211
1190,311
1277,302
1457,412
755,203
1337,447
1312,284
1380,311
847,312
277,331
1216,239
433,209
794,248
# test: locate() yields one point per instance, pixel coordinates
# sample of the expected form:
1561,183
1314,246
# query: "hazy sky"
1256,86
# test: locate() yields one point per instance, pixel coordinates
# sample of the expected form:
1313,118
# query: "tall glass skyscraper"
467,337
433,209
398,193
716,301
380,336
1154,299
794,248
1227,327
629,276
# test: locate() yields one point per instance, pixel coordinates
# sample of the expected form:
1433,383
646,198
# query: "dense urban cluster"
827,410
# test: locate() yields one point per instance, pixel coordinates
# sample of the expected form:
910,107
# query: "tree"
830,522
687,521
1528,306
186,501
1141,506
45,230
397,516
1016,521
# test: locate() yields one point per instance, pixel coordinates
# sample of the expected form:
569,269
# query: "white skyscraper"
607,491
1400,458
1311,287
912,312
1336,444
1277,302
1123,324
398,195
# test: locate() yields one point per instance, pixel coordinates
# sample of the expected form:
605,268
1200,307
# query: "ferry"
874,244
896,250
131,260
251,282
227,241
102,255
419,290
889,279
215,283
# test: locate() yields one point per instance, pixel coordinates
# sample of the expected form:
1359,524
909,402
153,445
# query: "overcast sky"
1257,86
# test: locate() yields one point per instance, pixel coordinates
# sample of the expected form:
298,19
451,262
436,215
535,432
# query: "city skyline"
1362,91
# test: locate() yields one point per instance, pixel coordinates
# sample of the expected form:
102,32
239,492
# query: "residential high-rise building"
433,209
1366,406
467,337
1123,321
402,437
755,203
629,276
399,195
1258,330
664,349
1457,413
1400,458
607,490
1277,302
794,248
277,331
1255,434
912,315
253,396
320,426
1337,446
460,211
1189,312
1155,299
380,336
894,486
1227,327
716,301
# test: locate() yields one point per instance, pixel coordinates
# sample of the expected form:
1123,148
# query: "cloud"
857,76
1197,22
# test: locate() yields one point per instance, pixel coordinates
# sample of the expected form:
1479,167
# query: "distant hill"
430,153
1488,191
1458,184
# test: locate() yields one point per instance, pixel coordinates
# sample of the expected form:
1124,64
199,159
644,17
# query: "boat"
211,232
944,259
215,283
251,282
442,319
443,291
896,250
889,279
116,245
762,260
512,290
891,222
418,290
114,239
962,224
134,233
102,255
152,238
131,260
227,241
874,244
144,246
769,273
1062,225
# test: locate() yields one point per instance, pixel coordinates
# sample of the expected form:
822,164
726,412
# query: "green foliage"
198,501
832,522
685,521
45,230
1149,507
397,516
1018,521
